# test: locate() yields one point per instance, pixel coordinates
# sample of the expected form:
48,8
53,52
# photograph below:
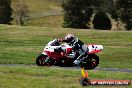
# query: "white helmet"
69,38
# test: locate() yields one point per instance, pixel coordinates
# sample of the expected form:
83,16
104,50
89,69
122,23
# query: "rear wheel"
40,60
91,62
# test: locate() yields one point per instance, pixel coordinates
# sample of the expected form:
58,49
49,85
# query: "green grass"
36,9
40,77
37,6
47,21
21,45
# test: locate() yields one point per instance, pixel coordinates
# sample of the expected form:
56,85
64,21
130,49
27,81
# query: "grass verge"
38,6
47,21
41,77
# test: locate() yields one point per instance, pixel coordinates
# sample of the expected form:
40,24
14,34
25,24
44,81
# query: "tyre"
40,60
91,62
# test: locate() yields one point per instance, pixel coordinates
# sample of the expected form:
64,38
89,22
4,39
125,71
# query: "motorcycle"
66,58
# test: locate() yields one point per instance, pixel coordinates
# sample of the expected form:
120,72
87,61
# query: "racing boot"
77,62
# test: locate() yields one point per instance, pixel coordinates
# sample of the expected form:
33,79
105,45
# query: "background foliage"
5,12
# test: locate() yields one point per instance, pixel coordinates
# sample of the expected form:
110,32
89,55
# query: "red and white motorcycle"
67,57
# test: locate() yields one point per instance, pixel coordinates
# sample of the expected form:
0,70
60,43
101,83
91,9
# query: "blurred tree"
102,21
123,10
5,12
77,13
113,12
21,11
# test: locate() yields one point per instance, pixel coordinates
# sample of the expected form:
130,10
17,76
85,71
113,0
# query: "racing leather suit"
81,48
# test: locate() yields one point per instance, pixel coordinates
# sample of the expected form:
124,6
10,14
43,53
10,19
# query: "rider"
78,46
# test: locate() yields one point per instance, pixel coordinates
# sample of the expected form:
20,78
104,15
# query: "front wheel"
91,62
40,60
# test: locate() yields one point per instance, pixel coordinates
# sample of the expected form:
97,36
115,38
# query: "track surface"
75,68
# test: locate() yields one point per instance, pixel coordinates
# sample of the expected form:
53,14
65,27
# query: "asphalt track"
76,68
